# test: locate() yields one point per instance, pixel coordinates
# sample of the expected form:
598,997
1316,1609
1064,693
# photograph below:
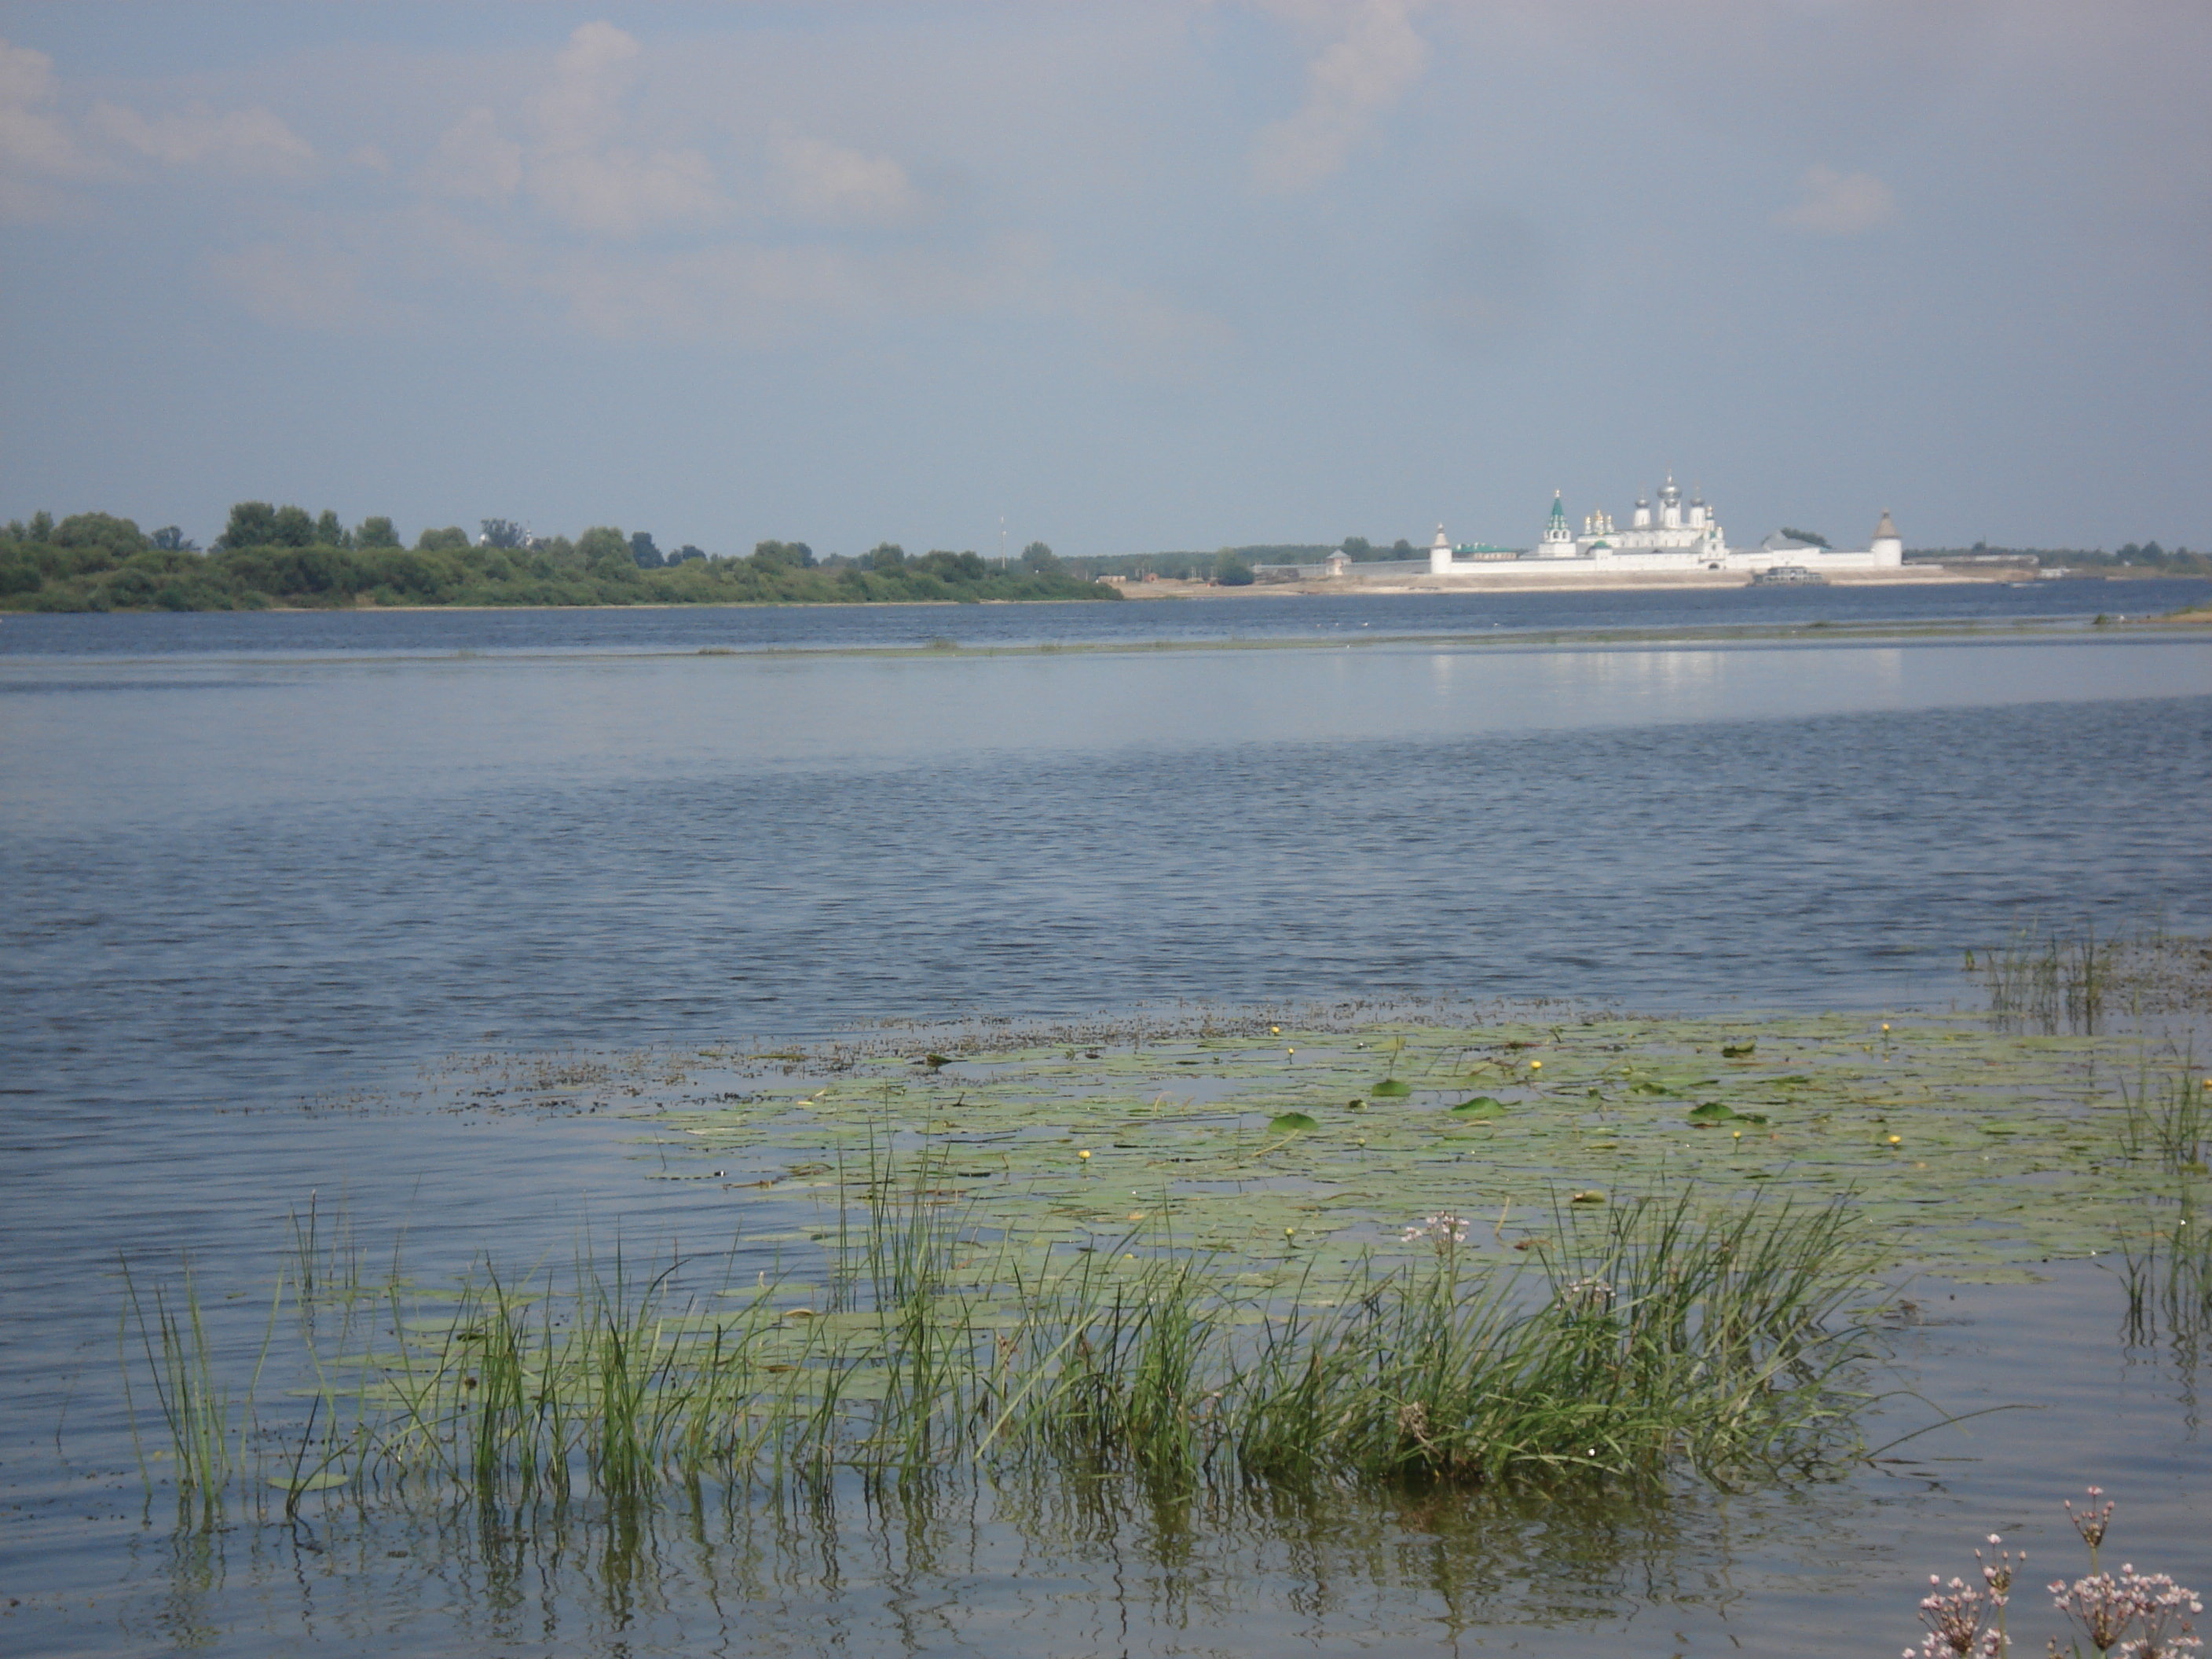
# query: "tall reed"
2168,1115
1657,1336
2041,979
1663,1336
209,1423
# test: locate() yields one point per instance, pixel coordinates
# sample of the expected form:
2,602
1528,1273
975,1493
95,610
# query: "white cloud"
36,149
775,296
1832,203
474,161
586,179
313,288
582,107
244,141
1377,56
829,183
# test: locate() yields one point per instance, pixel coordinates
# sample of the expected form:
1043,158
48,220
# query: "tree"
328,532
1356,548
293,528
685,554
783,555
503,532
253,523
605,551
170,539
951,566
376,531
1040,560
1230,570
118,538
1810,538
452,539
1402,549
884,556
42,527
644,553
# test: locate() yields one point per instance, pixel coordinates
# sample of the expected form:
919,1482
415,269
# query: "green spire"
1558,509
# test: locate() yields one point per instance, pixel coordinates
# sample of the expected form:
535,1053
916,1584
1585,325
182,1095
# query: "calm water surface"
1257,617
250,870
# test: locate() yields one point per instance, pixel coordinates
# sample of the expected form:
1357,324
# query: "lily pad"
1743,1050
1287,1123
1963,1191
1716,1112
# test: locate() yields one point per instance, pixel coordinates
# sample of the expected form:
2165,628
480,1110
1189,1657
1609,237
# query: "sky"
1121,277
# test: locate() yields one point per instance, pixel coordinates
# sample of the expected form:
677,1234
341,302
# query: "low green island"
283,558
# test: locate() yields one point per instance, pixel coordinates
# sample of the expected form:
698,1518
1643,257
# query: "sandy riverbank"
1512,579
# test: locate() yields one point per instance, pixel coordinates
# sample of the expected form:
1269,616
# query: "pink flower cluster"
1956,1623
2092,1522
2135,1615
1444,1229
2108,1609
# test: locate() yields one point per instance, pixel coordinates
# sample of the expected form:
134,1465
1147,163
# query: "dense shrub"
283,555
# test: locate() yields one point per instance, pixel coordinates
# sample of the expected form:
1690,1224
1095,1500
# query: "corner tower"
1888,546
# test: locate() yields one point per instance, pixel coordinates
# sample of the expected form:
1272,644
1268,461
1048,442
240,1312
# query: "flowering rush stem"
2128,1615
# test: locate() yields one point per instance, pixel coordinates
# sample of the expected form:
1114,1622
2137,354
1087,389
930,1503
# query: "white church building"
1675,535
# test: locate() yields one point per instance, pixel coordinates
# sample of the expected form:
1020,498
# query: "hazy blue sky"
1136,275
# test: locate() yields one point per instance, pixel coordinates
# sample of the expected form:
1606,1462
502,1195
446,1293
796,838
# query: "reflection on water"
946,1561
1031,1562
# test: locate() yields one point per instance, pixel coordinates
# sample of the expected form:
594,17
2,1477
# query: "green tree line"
2149,556
283,557
1222,563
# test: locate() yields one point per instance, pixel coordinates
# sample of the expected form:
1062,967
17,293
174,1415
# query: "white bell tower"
1558,541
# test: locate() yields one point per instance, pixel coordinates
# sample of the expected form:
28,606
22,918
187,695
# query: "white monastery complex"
1674,536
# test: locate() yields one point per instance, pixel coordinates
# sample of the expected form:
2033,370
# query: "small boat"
1786,575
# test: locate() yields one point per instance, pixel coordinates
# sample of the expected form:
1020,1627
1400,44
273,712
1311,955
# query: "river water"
262,870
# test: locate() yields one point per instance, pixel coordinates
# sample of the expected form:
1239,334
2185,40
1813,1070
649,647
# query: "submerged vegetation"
283,556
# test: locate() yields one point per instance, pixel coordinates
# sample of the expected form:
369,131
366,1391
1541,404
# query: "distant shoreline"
1540,582
1170,587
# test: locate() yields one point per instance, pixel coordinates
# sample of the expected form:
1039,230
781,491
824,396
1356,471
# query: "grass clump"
1663,1336
206,1415
1648,1338
2050,981
2041,979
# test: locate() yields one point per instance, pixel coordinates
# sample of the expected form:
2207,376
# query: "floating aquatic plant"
1990,1151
